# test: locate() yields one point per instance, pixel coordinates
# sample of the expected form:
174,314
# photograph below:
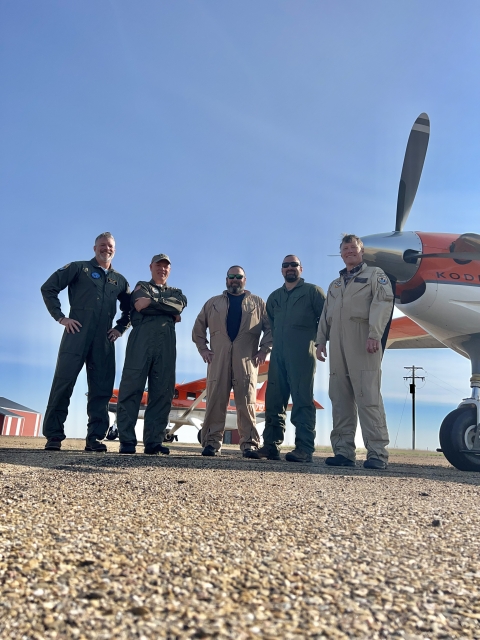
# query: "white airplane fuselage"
442,295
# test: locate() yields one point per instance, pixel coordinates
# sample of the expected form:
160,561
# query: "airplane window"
175,394
191,396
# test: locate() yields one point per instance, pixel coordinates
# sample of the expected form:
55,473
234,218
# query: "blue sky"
225,133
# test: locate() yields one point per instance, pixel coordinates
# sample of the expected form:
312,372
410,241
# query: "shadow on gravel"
188,457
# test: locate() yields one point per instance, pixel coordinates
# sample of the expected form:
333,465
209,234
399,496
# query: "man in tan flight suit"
235,321
356,313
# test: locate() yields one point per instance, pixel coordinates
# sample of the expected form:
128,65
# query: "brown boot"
268,451
299,455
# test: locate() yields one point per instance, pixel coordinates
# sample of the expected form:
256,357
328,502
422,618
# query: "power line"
444,382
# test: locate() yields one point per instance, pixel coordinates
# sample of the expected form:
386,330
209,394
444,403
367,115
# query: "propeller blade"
412,168
454,255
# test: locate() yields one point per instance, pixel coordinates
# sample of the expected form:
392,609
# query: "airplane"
436,279
189,405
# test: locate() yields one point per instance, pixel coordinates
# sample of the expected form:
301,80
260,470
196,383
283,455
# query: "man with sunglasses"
235,321
294,311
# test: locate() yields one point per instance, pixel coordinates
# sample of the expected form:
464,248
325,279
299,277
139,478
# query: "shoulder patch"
154,289
65,267
337,283
382,280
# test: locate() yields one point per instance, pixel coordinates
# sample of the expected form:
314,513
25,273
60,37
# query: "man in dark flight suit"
93,290
294,311
151,354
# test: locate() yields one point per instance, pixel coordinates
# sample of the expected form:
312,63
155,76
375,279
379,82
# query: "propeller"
454,255
412,168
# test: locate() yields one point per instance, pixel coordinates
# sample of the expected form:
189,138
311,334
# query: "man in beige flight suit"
356,313
235,321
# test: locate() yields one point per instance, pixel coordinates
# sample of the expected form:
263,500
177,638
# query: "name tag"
362,280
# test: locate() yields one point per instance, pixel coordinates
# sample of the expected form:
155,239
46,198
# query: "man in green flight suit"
93,290
294,311
151,354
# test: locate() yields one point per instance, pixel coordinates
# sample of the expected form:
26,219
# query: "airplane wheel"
168,437
457,433
199,436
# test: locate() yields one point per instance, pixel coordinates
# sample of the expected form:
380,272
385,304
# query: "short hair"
105,234
236,266
351,237
294,255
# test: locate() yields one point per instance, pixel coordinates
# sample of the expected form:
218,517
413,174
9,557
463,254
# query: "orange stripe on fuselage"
440,270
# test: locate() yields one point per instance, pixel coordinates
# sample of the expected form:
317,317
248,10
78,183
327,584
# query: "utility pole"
413,377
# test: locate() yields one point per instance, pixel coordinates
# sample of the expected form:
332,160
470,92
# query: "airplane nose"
390,252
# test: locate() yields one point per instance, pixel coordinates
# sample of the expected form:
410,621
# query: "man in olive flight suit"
93,290
151,354
235,320
294,311
356,313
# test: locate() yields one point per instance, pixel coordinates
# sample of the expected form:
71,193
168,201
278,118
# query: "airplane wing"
406,334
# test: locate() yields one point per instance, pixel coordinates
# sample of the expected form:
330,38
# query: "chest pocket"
111,289
251,318
334,298
299,311
360,299
217,318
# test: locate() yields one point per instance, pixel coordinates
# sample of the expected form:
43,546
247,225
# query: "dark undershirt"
234,316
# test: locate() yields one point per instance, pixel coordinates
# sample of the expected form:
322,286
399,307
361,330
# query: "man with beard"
235,321
93,290
294,311
151,355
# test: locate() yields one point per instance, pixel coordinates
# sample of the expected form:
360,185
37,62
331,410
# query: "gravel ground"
104,546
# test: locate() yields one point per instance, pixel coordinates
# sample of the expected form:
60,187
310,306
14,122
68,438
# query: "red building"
17,420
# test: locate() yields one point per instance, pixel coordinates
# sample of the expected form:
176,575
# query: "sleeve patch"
65,267
382,280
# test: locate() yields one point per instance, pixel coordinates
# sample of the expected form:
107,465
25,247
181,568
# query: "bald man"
294,311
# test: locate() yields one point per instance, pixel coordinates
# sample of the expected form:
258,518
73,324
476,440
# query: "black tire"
199,436
457,434
168,437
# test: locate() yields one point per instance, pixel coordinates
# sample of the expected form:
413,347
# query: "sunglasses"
285,265
232,276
